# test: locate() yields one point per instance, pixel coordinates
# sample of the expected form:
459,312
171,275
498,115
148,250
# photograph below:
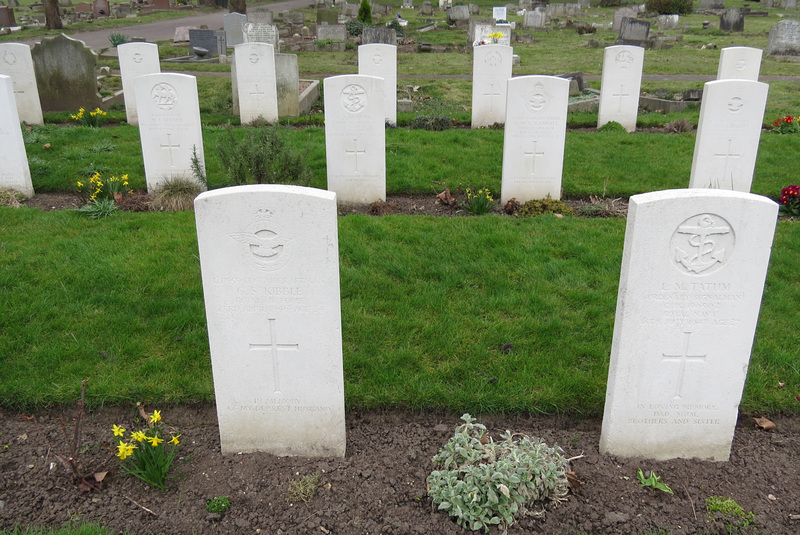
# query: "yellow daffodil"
138,436
118,431
125,450
155,441
156,417
175,440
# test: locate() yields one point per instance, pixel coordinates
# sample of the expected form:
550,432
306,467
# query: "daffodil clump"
147,454
98,187
479,201
88,119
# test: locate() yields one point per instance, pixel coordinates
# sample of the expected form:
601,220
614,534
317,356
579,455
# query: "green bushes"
670,7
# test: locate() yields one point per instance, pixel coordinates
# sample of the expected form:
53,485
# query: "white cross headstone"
728,132
135,59
255,86
14,171
533,147
269,258
169,126
17,63
355,138
693,272
380,60
740,63
620,86
491,70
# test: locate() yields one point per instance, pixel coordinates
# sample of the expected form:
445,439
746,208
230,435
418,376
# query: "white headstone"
169,126
256,87
256,32
533,146
481,31
355,138
269,257
491,70
620,86
668,22
381,60
535,19
739,62
233,23
728,133
693,271
135,59
14,172
499,13
17,63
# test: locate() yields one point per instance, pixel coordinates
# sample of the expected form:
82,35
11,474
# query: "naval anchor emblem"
265,246
702,244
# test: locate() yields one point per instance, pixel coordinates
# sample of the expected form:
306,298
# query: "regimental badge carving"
377,59
741,65
9,57
354,98
265,245
735,104
624,59
164,95
493,58
538,99
254,58
702,244
137,57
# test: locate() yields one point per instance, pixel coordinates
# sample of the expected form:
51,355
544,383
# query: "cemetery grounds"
507,318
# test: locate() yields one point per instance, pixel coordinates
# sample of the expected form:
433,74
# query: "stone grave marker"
620,14
14,173
767,3
182,33
335,32
261,16
668,22
255,32
65,74
426,8
739,62
732,20
458,13
233,23
491,70
287,74
784,38
7,17
693,271
380,60
269,258
479,32
728,132
327,16
533,146
535,19
83,7
355,138
135,59
620,86
499,13
387,36
169,126
203,39
254,69
100,8
573,10
16,62
556,10
633,32
788,4
408,4
712,4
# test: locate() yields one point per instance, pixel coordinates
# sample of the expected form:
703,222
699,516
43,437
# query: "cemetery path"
379,486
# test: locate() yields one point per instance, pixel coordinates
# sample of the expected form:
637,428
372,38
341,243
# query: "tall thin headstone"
135,59
257,93
620,86
693,272
287,74
355,138
269,258
728,132
14,173
233,23
17,63
491,70
533,146
169,126
739,63
381,60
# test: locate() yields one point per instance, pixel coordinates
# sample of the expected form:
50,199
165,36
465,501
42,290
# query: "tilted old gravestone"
269,257
381,60
739,62
426,8
693,271
135,59
14,173
784,39
728,132
491,70
355,138
65,74
788,4
621,82
287,76
620,14
16,62
533,146
633,32
169,126
253,69
458,14
732,20
233,23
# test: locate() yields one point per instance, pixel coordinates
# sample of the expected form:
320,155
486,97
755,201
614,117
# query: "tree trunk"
52,15
238,6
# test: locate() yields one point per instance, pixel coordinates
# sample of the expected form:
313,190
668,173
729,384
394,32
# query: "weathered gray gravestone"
732,20
693,271
14,173
16,62
712,4
458,13
255,32
233,28
784,38
327,16
426,8
287,75
269,257
203,39
65,74
335,32
788,4
535,19
387,36
620,14
633,32
262,16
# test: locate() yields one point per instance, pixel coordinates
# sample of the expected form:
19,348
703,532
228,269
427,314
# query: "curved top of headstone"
65,74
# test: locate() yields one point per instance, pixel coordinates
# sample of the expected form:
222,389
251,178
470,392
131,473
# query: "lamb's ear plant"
482,483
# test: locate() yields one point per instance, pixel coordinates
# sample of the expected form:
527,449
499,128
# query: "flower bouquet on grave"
790,201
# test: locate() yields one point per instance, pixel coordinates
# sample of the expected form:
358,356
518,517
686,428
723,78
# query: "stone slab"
16,62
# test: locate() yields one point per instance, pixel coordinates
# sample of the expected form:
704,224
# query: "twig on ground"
140,505
691,501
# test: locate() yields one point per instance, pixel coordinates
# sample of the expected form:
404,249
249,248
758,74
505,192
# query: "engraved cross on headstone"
273,347
491,94
621,96
682,359
257,93
728,154
533,154
355,152
169,146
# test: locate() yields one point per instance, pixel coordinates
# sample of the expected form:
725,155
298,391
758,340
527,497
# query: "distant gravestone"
65,74
83,7
162,4
712,4
620,14
169,126
287,75
693,271
668,22
426,8
535,19
784,38
739,62
620,86
135,59
16,62
233,23
203,39
499,13
293,17
732,20
334,32
380,60
533,147
100,8
458,13
269,257
491,70
254,70
408,4
262,16
387,36
14,173
767,3
349,10
479,32
788,4
7,17
728,132
327,16
556,10
633,32
261,33
355,138
182,33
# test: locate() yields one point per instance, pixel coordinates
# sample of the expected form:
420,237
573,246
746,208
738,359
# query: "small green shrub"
435,123
484,483
303,489
355,27
726,508
669,7
394,24
365,12
218,504
536,207
117,39
612,126
99,208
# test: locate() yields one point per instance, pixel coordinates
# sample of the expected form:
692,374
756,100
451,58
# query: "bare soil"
379,486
